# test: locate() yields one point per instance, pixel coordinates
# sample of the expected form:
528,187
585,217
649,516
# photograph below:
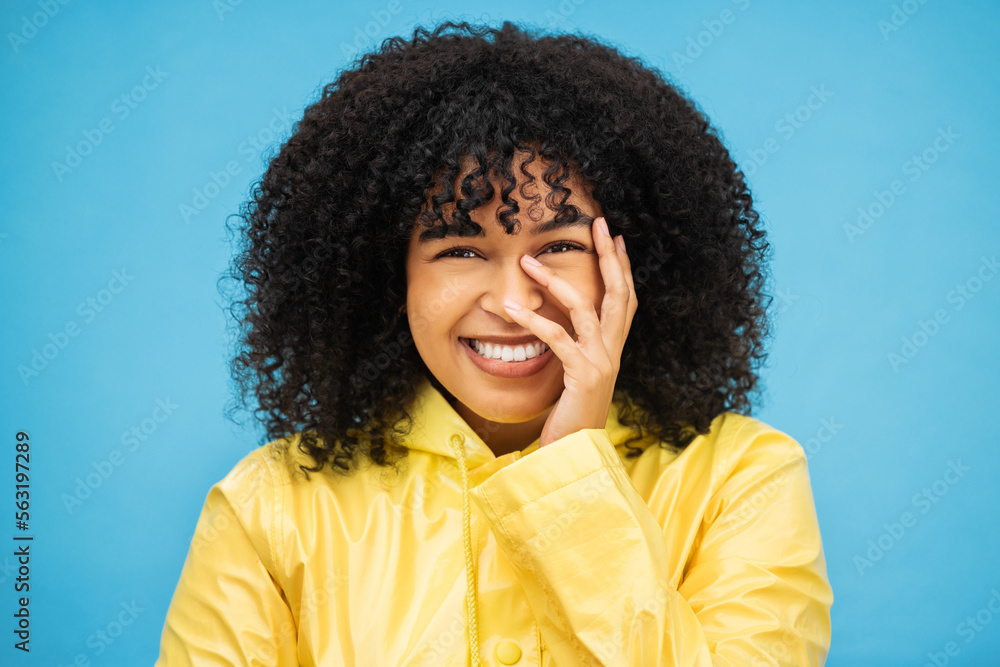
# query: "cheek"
586,279
434,302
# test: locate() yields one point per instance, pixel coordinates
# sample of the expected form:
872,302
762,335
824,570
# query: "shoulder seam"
279,480
276,514
730,443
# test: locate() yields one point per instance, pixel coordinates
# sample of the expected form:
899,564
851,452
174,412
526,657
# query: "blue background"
879,430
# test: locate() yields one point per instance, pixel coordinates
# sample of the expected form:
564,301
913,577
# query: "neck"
503,438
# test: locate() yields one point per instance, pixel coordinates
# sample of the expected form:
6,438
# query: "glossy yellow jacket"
572,554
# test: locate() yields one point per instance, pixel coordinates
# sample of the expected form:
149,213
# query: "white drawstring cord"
458,442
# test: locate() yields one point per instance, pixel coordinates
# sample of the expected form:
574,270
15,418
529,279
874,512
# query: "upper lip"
506,340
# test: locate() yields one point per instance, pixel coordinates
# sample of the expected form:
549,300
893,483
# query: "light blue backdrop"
868,129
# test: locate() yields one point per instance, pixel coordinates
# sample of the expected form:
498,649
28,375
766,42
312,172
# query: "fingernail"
531,260
513,305
604,226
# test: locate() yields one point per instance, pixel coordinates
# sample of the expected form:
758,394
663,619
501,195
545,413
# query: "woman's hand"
591,362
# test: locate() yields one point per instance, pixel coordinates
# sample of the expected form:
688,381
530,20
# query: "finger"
582,312
633,299
547,331
614,306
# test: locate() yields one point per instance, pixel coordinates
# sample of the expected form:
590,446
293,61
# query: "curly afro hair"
323,345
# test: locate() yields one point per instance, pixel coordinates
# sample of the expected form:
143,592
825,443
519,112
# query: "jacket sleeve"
227,608
592,560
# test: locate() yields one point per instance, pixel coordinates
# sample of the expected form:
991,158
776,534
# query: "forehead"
541,208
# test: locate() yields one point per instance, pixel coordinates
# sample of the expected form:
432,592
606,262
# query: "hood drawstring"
458,442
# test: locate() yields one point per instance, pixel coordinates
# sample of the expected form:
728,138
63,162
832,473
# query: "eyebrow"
438,231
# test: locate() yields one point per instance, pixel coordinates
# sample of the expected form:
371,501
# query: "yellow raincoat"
567,555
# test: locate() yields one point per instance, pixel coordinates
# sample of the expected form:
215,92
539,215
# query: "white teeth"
508,353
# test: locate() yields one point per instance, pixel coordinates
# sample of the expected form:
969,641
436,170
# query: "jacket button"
508,652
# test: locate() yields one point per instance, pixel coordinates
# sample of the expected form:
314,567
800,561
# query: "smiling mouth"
513,362
507,353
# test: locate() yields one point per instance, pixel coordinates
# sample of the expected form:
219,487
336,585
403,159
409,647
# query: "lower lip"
507,369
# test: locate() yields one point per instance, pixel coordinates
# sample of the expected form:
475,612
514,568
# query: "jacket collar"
435,421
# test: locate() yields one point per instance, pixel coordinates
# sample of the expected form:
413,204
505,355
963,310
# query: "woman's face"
456,287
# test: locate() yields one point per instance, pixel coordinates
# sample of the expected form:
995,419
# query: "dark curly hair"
323,345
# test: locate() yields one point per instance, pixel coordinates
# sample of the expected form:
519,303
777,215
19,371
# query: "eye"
459,253
562,246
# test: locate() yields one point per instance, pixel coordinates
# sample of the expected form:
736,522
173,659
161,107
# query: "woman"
504,310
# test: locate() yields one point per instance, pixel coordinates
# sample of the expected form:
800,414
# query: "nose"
509,281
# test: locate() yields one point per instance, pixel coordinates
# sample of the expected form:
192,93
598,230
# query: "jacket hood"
435,422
